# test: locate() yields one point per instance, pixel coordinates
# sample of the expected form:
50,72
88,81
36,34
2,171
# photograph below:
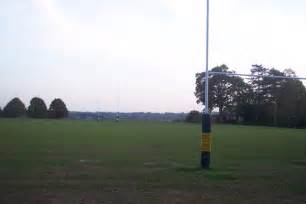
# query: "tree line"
37,109
255,100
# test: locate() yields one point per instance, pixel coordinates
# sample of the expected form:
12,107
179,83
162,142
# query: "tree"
1,112
15,108
258,83
218,88
292,104
37,108
262,100
224,91
58,109
278,102
266,92
194,117
273,87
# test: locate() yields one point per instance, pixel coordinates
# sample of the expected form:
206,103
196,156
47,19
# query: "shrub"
37,108
58,109
15,108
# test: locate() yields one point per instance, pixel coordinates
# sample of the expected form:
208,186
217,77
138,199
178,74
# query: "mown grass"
84,154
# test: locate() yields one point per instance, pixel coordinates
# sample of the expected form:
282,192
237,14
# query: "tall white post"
206,110
206,123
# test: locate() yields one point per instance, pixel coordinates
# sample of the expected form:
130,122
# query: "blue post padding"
206,123
205,160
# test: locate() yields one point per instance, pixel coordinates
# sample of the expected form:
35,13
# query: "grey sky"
138,55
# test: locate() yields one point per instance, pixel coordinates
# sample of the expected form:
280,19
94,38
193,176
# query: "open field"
63,162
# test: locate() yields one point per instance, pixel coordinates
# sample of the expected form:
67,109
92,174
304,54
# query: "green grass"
78,156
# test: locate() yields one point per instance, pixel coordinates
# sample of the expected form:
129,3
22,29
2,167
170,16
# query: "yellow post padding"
206,142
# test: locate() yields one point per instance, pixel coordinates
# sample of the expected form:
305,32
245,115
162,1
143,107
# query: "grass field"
46,161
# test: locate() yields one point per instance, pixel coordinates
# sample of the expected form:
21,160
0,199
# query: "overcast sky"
139,55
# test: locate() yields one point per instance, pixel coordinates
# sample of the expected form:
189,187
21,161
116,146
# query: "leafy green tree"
218,89
282,98
1,112
278,102
37,108
262,100
273,87
302,111
58,109
259,83
266,93
15,108
292,104
194,117
225,92
241,93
